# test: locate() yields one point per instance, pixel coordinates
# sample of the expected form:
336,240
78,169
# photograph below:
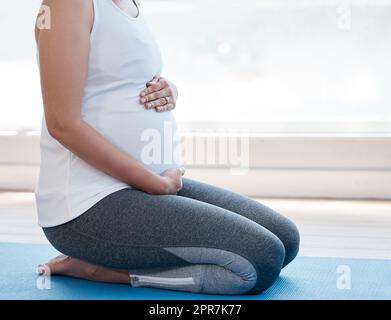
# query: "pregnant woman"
111,196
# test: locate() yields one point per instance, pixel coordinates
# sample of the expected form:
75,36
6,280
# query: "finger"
150,89
154,80
167,107
180,185
163,81
155,95
168,85
161,102
153,88
160,84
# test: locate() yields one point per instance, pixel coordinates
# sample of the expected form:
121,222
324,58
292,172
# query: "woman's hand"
170,182
160,94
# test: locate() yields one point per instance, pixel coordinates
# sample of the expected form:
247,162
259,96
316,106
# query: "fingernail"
143,100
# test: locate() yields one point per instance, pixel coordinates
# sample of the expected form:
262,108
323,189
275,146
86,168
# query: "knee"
268,264
291,240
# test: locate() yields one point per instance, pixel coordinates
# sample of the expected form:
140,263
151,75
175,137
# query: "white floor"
331,228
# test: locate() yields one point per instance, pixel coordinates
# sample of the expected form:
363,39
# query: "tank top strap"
98,10
108,7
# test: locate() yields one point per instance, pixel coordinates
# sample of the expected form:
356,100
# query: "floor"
329,228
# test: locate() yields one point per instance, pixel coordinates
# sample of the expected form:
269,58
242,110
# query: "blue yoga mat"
305,278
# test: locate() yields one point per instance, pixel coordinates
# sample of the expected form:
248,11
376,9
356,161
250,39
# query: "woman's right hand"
170,182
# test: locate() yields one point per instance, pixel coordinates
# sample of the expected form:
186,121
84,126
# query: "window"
20,99
277,66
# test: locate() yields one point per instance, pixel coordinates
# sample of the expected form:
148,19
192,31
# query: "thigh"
131,230
276,223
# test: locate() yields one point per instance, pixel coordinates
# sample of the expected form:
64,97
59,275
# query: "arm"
64,51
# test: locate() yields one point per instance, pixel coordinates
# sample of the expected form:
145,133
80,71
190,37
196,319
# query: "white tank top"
123,57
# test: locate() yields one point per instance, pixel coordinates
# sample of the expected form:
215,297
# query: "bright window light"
273,65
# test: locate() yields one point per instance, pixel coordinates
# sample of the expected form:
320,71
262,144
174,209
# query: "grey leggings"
205,239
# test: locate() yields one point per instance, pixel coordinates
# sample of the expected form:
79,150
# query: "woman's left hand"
160,94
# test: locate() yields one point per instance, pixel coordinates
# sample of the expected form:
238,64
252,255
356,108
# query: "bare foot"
72,267
67,266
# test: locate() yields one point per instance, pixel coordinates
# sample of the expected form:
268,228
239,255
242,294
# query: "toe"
43,270
54,266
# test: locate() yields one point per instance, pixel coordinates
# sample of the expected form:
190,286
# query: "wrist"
157,185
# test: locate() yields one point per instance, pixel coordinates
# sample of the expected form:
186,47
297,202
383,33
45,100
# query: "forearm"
92,147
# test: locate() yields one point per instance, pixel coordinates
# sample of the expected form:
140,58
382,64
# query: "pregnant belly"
150,137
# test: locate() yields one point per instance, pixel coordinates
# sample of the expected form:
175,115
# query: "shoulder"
69,5
64,15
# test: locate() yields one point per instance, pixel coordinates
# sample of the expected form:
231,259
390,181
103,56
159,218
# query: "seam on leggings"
162,247
210,262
